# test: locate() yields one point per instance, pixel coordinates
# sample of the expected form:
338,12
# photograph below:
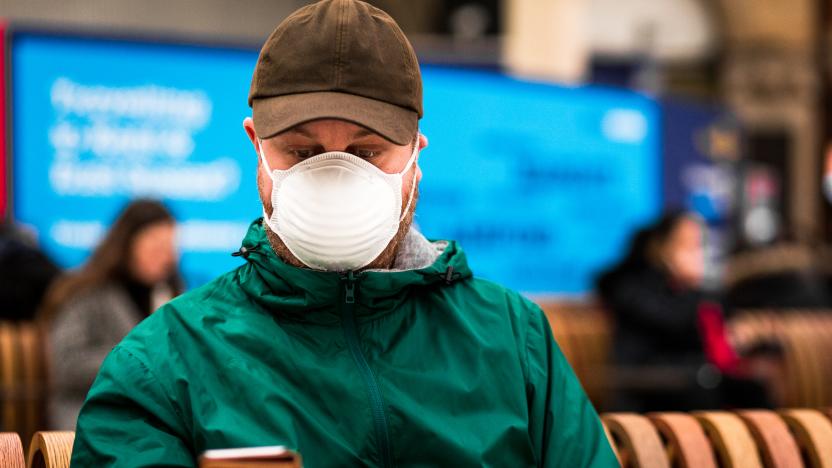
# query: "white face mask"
336,211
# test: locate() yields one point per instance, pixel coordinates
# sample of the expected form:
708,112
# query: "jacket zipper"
349,324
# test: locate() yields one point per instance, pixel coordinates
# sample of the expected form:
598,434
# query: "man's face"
320,136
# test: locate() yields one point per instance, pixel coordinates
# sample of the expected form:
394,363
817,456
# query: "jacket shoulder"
186,313
506,300
488,303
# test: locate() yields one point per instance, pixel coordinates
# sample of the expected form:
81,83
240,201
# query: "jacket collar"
307,294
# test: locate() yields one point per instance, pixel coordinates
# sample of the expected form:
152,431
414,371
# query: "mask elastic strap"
413,182
409,199
412,157
263,157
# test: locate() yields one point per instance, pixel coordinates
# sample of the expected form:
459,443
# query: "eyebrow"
363,133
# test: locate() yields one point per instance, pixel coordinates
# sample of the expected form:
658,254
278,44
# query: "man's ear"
423,141
248,126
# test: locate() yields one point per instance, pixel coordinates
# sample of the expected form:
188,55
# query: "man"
346,336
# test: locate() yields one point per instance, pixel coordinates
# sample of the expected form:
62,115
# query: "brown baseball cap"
341,59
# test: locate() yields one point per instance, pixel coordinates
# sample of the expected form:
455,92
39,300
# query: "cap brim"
280,113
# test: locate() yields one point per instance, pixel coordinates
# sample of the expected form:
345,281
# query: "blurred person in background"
87,312
25,274
669,333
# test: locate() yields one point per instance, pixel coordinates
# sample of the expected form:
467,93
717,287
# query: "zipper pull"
349,288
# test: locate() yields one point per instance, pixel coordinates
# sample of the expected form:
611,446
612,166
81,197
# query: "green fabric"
467,372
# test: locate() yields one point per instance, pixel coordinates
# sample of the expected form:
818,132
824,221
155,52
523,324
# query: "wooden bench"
813,433
11,451
789,438
806,340
584,334
686,445
773,438
636,441
22,378
51,449
731,439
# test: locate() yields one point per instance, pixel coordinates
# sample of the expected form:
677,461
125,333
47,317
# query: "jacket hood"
305,294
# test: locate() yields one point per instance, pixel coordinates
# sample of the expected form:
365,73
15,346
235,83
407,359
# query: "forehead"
330,128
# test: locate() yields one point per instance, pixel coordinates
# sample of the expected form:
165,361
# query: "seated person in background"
87,312
347,335
665,322
25,274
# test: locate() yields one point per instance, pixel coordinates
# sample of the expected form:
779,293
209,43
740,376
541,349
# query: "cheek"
155,260
144,264
412,177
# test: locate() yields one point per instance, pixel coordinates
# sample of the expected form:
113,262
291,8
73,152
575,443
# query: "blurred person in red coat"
669,332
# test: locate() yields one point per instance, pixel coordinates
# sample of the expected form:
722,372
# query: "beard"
384,260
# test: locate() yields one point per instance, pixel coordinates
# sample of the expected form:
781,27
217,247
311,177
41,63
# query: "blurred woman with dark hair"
668,331
87,312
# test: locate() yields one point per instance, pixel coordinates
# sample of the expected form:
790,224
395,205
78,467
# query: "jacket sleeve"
564,427
128,421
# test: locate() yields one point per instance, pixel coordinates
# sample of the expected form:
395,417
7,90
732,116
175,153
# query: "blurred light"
624,126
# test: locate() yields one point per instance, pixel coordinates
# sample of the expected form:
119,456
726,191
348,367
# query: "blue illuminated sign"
541,184
97,123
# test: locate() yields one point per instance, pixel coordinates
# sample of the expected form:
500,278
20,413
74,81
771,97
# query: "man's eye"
303,153
366,154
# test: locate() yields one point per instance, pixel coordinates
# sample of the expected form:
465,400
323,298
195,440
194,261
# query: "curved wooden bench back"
22,378
686,443
8,376
806,338
611,440
731,439
51,449
822,323
638,443
11,451
774,441
32,380
583,333
813,433
807,356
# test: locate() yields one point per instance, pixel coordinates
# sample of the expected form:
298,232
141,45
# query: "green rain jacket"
426,367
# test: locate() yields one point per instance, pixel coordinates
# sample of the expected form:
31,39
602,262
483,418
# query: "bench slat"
11,451
813,433
687,445
731,438
638,443
51,449
776,444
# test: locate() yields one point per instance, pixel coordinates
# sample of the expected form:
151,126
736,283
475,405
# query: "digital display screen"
97,123
542,185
